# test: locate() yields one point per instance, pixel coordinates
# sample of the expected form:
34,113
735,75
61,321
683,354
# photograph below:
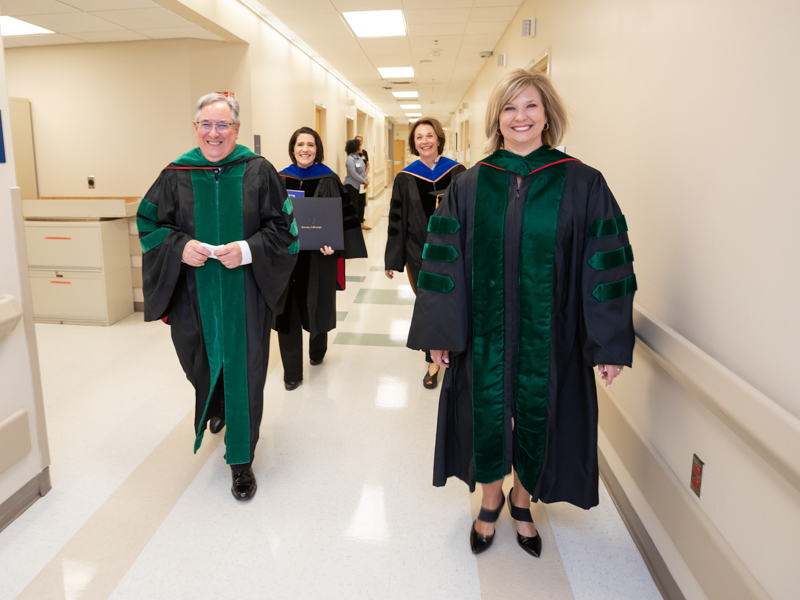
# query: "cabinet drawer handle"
57,238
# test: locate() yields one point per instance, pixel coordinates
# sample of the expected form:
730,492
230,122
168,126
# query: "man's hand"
390,273
230,255
194,254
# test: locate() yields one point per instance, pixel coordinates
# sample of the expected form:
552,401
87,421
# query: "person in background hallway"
311,300
218,250
527,285
356,177
362,152
416,192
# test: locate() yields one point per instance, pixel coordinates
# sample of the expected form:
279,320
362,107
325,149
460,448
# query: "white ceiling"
79,21
457,29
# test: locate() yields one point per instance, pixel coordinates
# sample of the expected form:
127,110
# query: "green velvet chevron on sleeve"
608,227
443,225
600,261
615,289
434,282
152,240
439,253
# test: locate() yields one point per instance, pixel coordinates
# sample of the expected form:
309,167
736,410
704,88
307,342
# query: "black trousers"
291,346
359,201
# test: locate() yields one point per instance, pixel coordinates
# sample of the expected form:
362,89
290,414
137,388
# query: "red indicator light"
695,482
697,470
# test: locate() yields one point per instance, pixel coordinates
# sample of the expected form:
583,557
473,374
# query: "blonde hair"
511,87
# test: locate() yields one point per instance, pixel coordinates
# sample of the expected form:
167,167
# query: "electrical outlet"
696,482
91,181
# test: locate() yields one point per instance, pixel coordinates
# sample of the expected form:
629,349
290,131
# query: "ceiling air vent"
528,27
501,60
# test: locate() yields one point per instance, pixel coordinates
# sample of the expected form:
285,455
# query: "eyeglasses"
222,126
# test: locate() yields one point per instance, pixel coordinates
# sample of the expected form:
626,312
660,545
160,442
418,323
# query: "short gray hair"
212,98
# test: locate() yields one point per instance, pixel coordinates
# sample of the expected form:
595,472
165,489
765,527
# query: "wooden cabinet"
80,270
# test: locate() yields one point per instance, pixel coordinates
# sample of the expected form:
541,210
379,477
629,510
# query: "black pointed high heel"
480,543
531,545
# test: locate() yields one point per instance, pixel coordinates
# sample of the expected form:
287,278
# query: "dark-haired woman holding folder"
311,300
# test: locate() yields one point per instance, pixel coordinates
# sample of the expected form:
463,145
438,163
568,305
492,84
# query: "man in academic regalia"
219,243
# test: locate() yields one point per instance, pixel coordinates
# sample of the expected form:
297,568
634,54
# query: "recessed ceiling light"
10,26
413,114
395,72
409,106
405,94
376,23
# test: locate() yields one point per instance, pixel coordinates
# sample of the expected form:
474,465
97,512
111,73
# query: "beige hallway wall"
688,109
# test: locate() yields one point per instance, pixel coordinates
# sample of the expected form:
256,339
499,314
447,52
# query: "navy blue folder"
319,222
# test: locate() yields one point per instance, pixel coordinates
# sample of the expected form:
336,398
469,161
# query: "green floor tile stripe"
340,316
357,278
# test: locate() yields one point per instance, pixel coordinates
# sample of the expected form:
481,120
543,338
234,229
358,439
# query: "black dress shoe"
316,361
431,381
215,424
244,484
478,542
292,385
531,545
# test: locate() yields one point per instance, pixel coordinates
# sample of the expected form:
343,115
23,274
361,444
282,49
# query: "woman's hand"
366,183
441,357
609,373
230,255
326,250
389,273
194,254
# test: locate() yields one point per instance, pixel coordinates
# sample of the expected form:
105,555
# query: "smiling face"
305,150
426,142
216,145
522,121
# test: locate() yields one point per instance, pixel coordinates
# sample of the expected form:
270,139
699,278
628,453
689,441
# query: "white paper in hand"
211,249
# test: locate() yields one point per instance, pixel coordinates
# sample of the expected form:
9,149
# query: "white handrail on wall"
768,428
10,314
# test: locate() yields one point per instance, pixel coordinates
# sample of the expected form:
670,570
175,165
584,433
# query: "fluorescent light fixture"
10,26
413,120
409,106
405,94
395,72
376,23
413,114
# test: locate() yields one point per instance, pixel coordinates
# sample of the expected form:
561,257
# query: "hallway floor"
344,509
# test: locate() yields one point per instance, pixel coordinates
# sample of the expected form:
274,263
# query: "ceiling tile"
482,3
93,5
123,35
15,8
298,8
488,15
378,44
357,5
436,29
426,4
443,41
193,31
146,18
439,15
46,40
72,22
497,27
487,40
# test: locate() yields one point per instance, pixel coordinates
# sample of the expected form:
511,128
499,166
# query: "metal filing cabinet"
79,260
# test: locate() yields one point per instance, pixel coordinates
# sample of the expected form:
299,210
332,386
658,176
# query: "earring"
546,126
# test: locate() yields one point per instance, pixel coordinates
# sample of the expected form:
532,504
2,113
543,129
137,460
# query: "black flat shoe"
531,545
244,484
314,362
292,385
480,543
215,424
431,381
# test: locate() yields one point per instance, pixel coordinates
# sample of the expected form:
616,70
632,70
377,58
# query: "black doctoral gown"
528,288
312,286
220,318
414,198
